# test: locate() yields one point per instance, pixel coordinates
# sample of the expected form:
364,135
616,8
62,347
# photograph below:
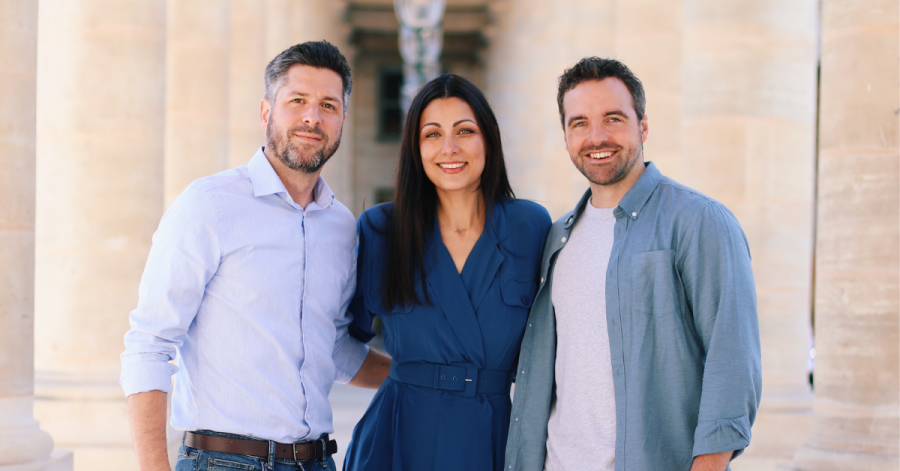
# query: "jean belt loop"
271,461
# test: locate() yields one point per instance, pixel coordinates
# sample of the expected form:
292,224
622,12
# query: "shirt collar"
266,182
633,202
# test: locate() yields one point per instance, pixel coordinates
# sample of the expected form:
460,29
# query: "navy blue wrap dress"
445,405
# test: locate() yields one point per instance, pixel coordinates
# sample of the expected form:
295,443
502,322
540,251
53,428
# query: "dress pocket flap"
518,293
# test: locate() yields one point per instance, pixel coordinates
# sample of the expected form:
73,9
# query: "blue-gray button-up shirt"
683,333
251,290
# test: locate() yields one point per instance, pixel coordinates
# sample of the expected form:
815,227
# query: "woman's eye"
431,134
466,131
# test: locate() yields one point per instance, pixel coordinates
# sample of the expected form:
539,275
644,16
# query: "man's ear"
644,128
264,110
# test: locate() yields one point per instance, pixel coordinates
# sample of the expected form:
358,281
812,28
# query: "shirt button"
564,239
529,325
523,371
525,299
634,214
542,279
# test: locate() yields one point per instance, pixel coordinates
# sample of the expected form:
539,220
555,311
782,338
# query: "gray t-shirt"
582,426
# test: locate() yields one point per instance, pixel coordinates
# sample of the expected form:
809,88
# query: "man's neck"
299,184
608,196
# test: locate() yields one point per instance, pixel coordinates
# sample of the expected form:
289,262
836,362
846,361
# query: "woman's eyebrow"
463,120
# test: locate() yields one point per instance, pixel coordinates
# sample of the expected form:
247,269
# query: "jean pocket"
186,462
219,464
655,287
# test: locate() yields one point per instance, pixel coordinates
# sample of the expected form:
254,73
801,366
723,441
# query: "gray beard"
292,157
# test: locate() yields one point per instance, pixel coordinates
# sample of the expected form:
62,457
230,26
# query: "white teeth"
599,155
452,165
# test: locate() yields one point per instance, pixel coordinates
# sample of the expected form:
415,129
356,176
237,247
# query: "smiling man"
642,347
247,285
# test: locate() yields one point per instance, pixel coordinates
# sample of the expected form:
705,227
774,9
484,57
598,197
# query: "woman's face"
451,145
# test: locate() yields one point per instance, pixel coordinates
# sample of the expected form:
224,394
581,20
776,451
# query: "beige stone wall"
857,417
100,110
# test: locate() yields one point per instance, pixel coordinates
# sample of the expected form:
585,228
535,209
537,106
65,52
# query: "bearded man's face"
305,118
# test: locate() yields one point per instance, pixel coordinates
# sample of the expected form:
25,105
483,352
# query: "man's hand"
147,414
373,371
713,462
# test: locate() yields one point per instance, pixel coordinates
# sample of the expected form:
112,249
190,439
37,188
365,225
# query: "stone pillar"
858,242
649,41
197,69
247,63
749,113
531,43
101,81
23,445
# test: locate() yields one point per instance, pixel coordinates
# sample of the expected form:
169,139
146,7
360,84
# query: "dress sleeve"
361,326
183,258
718,280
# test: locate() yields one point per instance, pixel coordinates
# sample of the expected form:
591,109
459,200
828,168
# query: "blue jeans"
192,459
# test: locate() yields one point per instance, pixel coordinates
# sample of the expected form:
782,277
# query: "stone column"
101,98
531,44
649,41
247,63
858,242
749,111
23,445
197,69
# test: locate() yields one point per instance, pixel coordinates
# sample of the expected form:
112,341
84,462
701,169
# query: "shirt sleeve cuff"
349,356
721,435
143,376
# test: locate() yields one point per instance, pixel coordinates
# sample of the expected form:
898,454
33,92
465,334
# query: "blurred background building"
786,111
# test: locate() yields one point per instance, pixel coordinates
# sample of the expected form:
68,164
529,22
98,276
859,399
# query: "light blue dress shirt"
251,291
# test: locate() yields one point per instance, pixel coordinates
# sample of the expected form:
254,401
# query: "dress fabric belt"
462,378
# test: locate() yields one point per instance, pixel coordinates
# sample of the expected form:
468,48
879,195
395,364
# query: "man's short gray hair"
318,54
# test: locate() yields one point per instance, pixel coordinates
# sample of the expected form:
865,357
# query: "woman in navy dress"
451,267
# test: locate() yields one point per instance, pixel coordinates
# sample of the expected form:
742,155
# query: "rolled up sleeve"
183,258
719,284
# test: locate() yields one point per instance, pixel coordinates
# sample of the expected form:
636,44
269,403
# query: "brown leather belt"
260,448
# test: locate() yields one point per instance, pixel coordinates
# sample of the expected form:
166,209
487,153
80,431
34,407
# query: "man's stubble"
308,160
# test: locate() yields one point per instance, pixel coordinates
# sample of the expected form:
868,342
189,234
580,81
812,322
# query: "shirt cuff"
146,375
721,435
349,356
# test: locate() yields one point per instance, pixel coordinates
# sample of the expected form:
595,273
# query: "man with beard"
642,347
247,284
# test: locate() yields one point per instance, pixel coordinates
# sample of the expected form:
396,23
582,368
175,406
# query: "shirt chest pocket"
655,283
518,293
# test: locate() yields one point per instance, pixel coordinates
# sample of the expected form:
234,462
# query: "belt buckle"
294,449
471,381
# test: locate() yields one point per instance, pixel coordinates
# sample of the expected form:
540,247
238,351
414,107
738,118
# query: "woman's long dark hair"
415,198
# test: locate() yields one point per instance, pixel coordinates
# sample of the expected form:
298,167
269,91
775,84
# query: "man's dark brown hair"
595,68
